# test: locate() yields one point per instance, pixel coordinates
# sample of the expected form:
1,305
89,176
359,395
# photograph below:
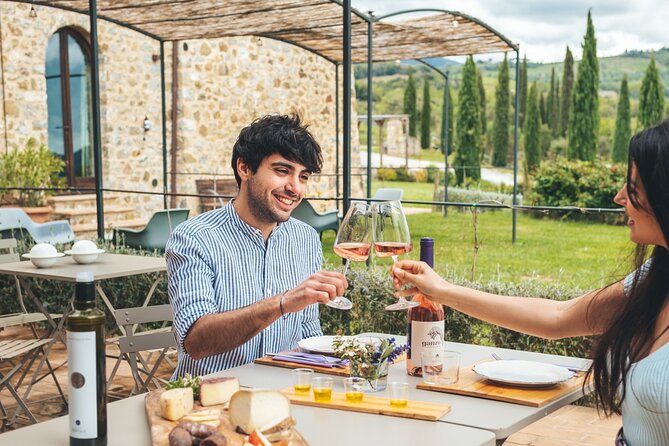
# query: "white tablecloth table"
128,426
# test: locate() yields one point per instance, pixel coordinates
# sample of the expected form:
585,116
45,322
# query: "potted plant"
369,360
35,166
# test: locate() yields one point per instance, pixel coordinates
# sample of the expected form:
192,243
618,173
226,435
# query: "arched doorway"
69,105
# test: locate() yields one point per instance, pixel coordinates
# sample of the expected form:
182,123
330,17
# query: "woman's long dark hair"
630,334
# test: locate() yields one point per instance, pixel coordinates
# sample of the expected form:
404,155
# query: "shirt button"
269,291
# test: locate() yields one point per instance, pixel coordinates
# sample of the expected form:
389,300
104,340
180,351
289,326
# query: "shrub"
35,166
459,195
55,295
582,184
421,176
371,290
386,174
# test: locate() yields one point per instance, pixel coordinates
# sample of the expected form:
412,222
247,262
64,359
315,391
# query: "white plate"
517,372
318,344
50,256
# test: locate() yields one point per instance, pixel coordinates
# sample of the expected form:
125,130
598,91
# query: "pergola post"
515,148
370,30
163,117
347,103
446,140
95,99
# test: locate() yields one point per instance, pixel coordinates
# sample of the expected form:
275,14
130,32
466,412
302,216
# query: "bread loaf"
217,390
175,403
257,409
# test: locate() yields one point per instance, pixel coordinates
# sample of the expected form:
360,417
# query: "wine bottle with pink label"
425,327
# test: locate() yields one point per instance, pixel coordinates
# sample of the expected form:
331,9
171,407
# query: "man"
245,279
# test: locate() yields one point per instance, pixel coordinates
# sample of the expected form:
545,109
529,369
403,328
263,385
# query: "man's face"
276,188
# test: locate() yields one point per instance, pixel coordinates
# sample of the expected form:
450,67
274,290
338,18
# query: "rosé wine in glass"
353,243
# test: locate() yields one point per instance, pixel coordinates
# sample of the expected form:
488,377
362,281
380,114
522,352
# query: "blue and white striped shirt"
217,263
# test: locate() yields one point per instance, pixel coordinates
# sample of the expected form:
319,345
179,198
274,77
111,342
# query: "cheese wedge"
175,403
217,390
258,409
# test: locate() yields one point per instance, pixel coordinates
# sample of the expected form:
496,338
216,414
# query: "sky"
544,28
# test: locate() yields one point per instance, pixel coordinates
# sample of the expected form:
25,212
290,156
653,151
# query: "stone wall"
223,85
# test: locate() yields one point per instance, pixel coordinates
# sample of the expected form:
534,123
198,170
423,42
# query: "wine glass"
353,243
391,239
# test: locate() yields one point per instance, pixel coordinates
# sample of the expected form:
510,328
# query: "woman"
631,317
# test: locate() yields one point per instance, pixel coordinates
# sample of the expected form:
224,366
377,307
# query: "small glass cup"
440,368
353,387
302,380
399,394
322,387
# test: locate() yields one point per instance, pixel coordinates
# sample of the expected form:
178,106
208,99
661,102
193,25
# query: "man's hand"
320,287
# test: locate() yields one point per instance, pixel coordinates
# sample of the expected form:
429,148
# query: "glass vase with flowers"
368,360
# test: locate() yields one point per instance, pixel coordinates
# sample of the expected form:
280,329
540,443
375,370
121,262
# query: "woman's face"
644,228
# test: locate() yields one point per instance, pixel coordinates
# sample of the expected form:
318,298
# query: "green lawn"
580,254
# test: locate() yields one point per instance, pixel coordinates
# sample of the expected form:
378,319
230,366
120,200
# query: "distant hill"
390,81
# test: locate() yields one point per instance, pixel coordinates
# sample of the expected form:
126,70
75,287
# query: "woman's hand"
419,276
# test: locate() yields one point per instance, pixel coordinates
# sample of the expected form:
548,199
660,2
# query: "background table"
107,266
500,418
128,426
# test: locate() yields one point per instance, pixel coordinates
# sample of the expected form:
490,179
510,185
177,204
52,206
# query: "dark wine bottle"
425,327
86,363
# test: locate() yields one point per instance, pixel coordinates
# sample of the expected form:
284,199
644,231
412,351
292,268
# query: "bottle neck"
84,305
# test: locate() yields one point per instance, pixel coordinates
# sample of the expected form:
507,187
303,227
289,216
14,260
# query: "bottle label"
426,336
82,382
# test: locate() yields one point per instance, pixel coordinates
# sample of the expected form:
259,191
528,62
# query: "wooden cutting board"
471,384
418,410
160,427
336,371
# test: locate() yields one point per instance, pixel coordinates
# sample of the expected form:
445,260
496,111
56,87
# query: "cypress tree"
542,109
550,99
410,105
583,128
532,143
522,100
555,110
425,117
451,123
484,119
567,86
651,97
623,131
500,126
467,134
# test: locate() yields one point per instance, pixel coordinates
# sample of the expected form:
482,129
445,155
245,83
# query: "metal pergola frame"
346,66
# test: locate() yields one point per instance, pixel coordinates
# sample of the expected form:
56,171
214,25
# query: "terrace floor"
569,426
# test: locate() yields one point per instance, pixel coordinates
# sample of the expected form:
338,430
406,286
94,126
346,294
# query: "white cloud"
543,28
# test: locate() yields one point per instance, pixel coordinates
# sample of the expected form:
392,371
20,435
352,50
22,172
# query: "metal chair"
320,222
21,354
133,342
387,194
14,222
156,232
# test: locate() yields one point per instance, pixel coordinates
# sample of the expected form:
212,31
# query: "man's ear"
243,170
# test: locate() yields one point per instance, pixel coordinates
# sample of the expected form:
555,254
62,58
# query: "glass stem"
347,262
402,298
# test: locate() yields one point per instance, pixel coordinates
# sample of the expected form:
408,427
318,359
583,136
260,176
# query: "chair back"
160,226
133,342
14,222
129,318
7,250
387,194
304,211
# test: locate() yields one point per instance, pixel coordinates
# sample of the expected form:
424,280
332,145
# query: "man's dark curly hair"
282,134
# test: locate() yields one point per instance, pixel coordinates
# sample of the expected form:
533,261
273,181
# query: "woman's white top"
646,404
